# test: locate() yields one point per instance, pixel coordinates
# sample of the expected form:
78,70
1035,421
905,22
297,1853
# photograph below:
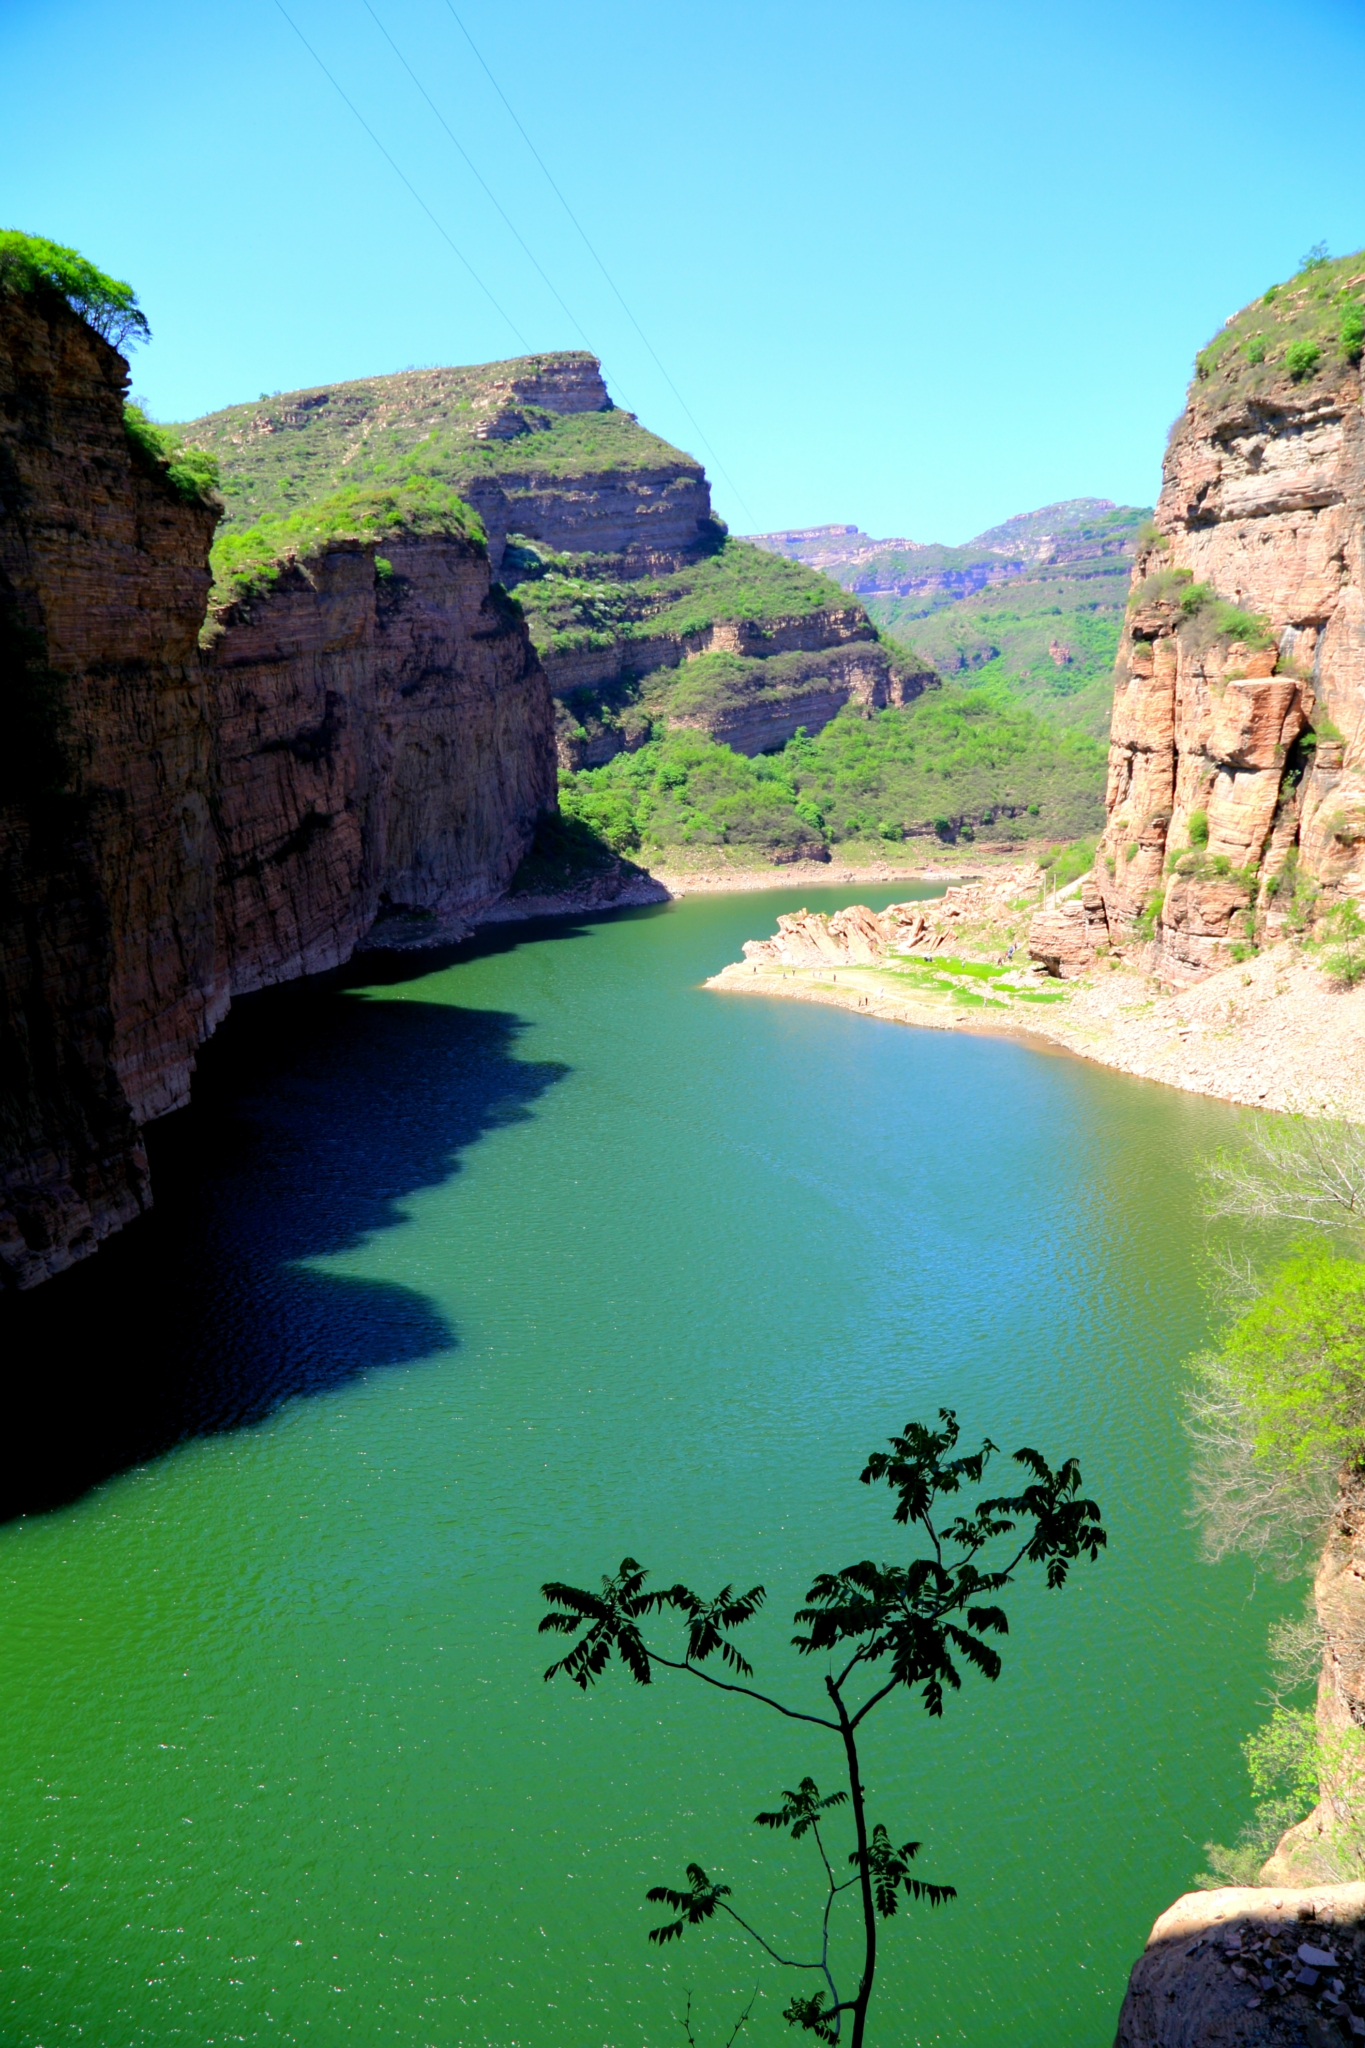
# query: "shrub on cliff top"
192,472
244,560
31,263
1301,358
1295,331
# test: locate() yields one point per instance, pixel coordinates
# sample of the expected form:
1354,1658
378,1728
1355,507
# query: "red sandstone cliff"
178,827
1260,747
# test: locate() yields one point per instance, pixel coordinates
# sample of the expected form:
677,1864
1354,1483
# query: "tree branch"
724,1685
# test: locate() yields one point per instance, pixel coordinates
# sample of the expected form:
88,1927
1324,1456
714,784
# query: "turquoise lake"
493,1274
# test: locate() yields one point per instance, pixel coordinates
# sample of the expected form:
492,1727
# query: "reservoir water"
496,1273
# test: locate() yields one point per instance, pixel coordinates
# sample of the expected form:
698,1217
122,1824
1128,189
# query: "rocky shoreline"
1270,1033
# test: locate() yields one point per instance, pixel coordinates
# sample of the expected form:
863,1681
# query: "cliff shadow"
316,1114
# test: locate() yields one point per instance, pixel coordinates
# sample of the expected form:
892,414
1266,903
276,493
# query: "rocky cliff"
1236,795
640,608
178,826
535,445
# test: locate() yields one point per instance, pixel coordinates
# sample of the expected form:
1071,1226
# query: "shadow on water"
316,1113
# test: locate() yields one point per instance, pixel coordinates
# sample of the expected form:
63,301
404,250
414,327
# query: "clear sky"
916,266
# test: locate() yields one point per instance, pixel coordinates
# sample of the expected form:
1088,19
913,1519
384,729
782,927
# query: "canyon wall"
180,825
535,445
1237,756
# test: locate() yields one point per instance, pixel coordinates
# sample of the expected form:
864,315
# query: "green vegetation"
953,763
1206,617
1300,331
1342,945
191,472
877,1633
1004,635
251,560
1068,863
285,454
30,263
1277,1414
578,601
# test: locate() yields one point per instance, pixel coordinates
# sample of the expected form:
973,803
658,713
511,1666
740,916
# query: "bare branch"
1292,1169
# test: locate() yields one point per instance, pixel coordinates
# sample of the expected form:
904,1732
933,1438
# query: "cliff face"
106,843
535,445
383,742
1229,755
177,827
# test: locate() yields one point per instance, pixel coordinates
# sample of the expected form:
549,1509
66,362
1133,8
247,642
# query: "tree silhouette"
881,1629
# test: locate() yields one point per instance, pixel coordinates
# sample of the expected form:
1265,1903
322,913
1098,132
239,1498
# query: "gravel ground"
1272,1033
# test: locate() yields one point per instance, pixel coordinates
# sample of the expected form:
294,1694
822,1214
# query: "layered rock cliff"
1236,794
535,445
178,826
639,606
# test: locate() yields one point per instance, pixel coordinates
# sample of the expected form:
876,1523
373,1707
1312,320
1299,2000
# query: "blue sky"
915,266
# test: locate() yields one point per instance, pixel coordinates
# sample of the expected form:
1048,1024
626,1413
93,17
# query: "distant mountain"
1034,605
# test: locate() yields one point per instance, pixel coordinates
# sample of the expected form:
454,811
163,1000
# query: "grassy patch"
250,559
1301,332
287,452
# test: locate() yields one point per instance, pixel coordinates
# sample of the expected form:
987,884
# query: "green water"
493,1275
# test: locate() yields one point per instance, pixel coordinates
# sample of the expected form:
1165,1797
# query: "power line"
593,253
406,180
573,322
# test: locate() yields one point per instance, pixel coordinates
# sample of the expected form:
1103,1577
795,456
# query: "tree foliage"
31,263
916,1625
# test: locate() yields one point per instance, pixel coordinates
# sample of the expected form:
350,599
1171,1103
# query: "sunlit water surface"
495,1274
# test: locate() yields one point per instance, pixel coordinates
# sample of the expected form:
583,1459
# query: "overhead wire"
593,253
441,231
510,223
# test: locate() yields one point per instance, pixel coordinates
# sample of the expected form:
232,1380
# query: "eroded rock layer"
179,826
1238,736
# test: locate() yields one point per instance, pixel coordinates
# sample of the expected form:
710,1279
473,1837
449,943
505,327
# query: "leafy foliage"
247,560
1342,945
875,1629
30,263
191,472
967,758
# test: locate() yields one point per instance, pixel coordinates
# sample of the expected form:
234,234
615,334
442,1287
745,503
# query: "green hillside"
1309,328
1047,634
957,765
286,453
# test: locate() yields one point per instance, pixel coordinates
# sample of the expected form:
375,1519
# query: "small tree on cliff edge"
881,1629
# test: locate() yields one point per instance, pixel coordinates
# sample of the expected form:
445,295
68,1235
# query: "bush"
31,263
1342,946
1255,349
1352,333
1199,828
1301,358
191,472
1280,1404
1146,922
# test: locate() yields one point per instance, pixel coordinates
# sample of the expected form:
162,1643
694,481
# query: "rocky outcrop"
859,937
178,827
1251,1968
786,674
383,744
1227,755
106,838
497,432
